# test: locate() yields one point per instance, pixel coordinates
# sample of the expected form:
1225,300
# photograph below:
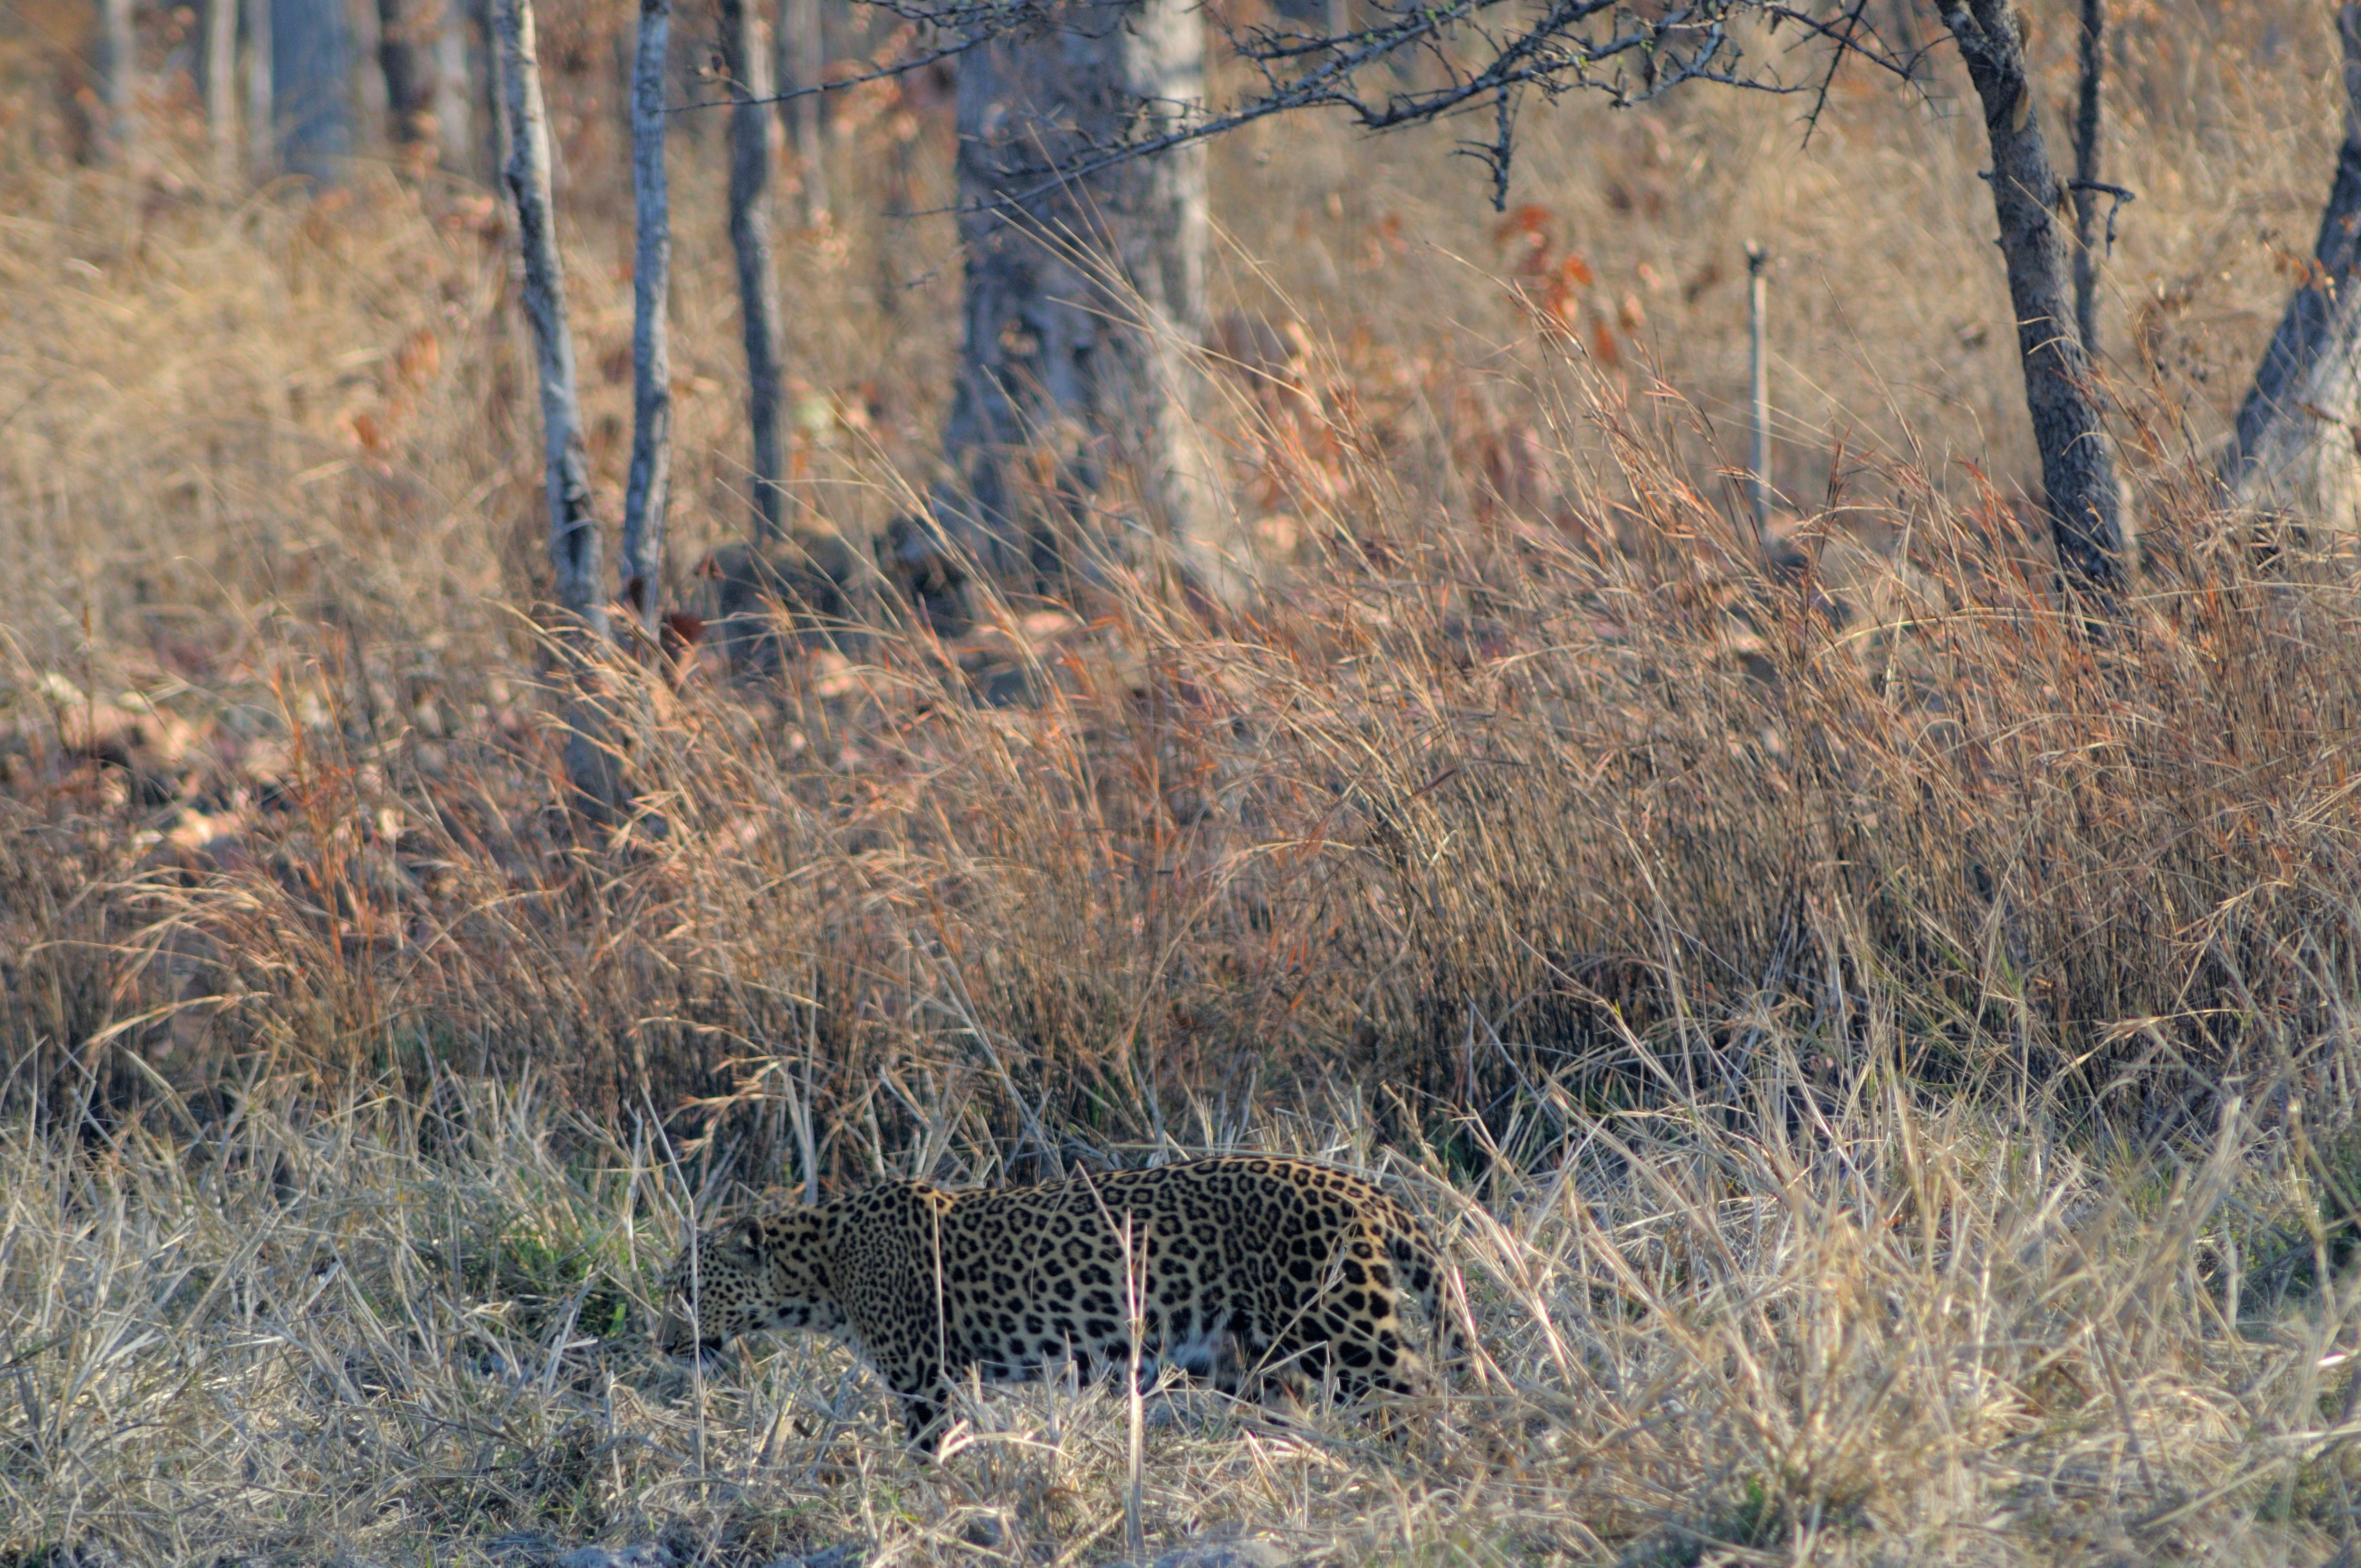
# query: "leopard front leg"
925,1399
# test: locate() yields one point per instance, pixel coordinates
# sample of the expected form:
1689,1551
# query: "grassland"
1884,1061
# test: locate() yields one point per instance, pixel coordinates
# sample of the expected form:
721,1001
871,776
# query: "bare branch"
1489,50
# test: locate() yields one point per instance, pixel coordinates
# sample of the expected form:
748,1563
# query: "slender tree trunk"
409,46
492,155
455,102
261,103
896,209
312,78
2078,465
2087,126
651,481
221,90
121,74
746,56
2294,450
1758,311
802,58
573,532
1084,299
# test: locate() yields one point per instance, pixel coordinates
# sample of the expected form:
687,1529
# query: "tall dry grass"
1449,810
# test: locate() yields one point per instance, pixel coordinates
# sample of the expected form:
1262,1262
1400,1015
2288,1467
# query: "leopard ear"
750,1234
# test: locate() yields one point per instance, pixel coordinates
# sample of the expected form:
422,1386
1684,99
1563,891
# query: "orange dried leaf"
1603,345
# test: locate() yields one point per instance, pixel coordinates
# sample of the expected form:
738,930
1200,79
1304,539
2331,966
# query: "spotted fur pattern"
1260,1272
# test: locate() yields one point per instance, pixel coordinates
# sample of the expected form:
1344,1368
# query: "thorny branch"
1412,61
2120,195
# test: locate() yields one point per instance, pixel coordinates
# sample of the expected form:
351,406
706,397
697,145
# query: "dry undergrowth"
1844,1322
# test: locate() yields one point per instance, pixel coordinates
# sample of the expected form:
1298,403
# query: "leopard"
1264,1275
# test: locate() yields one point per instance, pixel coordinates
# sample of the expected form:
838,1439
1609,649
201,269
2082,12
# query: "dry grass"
1854,1323
1887,1063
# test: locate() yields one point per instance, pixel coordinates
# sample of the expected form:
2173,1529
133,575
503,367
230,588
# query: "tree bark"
651,483
894,206
221,90
262,111
2087,126
492,153
409,43
746,58
802,58
2078,465
454,101
573,532
1085,299
2294,450
312,79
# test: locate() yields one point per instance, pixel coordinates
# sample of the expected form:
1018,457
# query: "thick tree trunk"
2087,127
221,90
2078,465
574,533
802,58
408,45
746,56
312,78
651,482
2294,451
1085,299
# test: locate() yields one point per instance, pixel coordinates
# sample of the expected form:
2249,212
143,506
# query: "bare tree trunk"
896,209
312,79
2087,175
261,103
1084,299
121,75
2078,465
454,103
221,90
573,532
409,41
1758,311
365,93
746,56
491,155
2294,450
651,482
802,58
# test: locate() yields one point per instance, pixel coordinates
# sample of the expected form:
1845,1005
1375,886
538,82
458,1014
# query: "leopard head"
748,1275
